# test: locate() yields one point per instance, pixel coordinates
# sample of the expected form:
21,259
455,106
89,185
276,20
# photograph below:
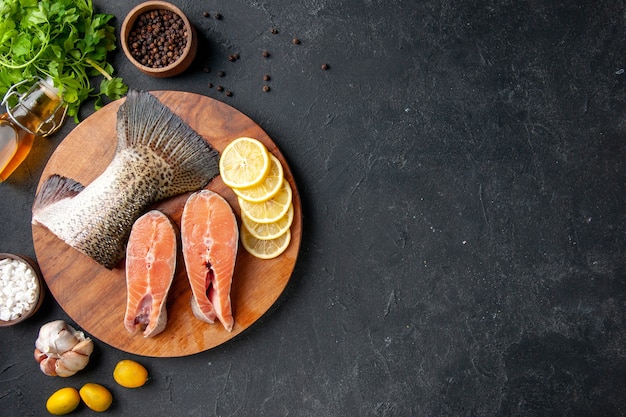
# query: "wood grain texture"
95,298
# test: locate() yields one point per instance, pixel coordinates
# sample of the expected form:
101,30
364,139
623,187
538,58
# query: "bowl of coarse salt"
21,288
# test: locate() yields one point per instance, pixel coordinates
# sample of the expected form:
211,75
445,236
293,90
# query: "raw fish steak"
150,267
210,237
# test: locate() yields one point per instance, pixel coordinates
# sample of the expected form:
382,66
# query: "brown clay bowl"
188,54
40,287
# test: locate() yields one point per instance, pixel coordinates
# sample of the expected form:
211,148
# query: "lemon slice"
265,249
268,188
266,231
244,163
268,211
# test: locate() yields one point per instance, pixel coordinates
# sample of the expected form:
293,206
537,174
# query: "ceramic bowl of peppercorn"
158,39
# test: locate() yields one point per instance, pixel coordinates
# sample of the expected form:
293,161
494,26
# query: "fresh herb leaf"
62,39
113,88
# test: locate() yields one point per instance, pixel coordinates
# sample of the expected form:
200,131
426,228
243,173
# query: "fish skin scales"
157,156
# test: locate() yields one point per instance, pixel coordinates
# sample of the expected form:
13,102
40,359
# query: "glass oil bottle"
38,112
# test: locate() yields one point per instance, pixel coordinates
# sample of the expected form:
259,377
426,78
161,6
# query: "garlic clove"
66,340
70,363
63,371
48,367
39,355
85,347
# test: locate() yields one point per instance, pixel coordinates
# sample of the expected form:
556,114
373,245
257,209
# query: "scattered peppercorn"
236,56
295,41
325,67
158,38
266,54
229,93
210,85
206,70
221,74
266,77
266,88
231,58
219,88
206,14
274,31
218,16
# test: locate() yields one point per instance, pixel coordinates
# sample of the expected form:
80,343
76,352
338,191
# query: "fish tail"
54,189
143,121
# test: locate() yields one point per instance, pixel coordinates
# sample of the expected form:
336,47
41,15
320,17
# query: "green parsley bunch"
61,39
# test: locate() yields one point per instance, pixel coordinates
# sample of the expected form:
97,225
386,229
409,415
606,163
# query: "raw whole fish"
209,237
157,156
150,267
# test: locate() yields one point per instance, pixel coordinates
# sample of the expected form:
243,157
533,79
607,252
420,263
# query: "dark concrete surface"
461,167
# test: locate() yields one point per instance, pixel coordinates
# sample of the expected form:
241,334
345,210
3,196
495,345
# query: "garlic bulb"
61,350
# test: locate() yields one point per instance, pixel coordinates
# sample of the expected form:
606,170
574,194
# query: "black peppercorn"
229,93
206,14
221,74
219,88
266,88
325,67
266,77
295,41
274,31
266,54
218,16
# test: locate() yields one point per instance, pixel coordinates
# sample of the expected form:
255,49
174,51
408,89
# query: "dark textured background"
461,167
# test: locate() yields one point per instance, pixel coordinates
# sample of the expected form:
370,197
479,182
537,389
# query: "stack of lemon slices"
264,195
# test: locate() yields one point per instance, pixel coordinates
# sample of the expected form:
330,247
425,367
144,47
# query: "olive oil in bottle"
38,112
15,145
8,142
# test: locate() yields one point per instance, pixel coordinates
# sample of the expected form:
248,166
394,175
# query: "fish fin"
143,121
54,189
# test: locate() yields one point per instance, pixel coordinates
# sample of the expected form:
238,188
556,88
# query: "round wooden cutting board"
95,297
